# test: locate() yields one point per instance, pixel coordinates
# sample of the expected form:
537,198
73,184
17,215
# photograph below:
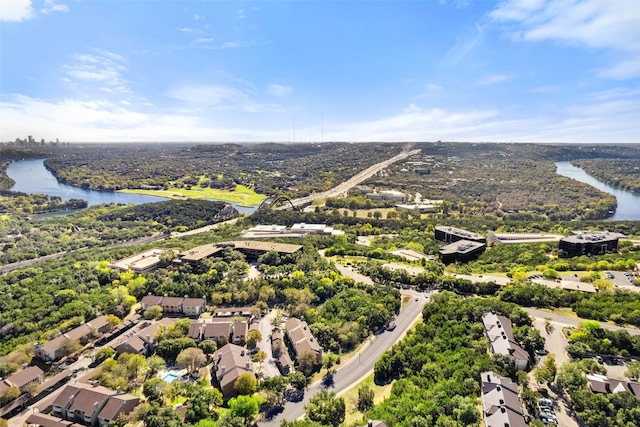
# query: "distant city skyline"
311,71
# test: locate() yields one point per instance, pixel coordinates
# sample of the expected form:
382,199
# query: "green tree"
153,312
154,389
208,346
633,369
103,354
329,360
244,407
298,380
547,372
9,394
246,384
326,408
191,359
155,364
308,362
259,358
365,398
253,338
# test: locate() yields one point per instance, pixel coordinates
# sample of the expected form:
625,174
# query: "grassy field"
351,398
243,196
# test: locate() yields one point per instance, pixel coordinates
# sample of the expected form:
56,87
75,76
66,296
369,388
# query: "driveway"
269,368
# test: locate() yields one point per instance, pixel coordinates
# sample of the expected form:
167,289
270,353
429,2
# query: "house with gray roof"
501,405
230,361
500,336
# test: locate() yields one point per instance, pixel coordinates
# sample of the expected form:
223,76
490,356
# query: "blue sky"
307,71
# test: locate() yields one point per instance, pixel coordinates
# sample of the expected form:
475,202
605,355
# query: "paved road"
353,181
360,366
575,321
269,368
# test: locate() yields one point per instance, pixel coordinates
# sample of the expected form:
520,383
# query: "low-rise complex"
140,263
92,405
192,307
230,361
461,251
501,405
601,384
501,341
589,243
448,234
301,339
57,347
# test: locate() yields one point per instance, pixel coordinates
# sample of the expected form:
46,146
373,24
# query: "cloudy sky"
211,71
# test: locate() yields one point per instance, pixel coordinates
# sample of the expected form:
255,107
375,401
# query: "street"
358,368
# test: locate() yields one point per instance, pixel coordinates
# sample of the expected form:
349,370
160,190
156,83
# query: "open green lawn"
243,196
351,398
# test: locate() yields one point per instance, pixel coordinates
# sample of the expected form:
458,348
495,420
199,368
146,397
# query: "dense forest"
294,169
437,366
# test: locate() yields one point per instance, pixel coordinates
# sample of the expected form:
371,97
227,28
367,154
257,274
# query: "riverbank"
242,195
628,203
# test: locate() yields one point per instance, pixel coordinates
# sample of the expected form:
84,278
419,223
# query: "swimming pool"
169,378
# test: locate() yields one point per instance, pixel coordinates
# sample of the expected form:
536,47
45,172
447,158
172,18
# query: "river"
628,203
33,178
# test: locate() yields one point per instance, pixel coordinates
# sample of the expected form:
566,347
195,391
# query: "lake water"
33,178
628,203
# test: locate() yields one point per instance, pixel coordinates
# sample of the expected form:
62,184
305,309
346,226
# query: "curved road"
575,321
360,365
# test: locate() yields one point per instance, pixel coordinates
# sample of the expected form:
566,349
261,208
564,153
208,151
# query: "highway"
353,181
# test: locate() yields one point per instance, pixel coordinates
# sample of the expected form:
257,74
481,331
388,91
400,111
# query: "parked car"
542,352
391,326
543,391
548,414
544,402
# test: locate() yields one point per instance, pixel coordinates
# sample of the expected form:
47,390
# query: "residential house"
501,405
92,405
151,300
55,349
142,339
193,307
43,420
240,331
601,384
22,379
171,305
280,353
206,329
220,332
500,335
230,361
301,339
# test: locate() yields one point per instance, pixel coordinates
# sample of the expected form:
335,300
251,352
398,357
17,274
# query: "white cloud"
16,10
51,6
220,97
105,68
609,116
464,46
612,26
493,79
279,90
